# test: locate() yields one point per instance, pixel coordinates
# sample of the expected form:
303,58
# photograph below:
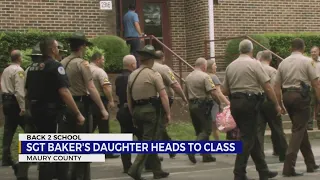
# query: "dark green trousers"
268,115
79,171
245,110
148,120
201,121
97,121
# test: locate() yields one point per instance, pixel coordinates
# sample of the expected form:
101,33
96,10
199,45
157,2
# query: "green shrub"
281,42
232,50
23,41
114,49
26,60
91,50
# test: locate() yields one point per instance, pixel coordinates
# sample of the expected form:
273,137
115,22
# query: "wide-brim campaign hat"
148,51
79,36
36,50
61,47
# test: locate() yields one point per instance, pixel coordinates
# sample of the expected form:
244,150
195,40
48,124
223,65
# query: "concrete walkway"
181,169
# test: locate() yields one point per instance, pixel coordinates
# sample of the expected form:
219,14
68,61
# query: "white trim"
211,27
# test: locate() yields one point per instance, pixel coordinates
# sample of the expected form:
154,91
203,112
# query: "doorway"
154,20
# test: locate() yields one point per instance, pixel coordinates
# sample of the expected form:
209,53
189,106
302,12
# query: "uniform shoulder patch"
61,70
211,82
21,74
106,80
86,63
171,75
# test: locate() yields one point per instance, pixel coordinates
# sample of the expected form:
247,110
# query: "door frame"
166,25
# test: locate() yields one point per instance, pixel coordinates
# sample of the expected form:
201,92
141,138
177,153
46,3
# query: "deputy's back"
294,69
245,75
147,84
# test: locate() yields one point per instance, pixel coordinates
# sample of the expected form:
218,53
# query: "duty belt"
8,96
291,90
81,98
238,95
142,102
51,105
200,100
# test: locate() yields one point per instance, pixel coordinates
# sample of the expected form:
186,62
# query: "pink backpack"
225,121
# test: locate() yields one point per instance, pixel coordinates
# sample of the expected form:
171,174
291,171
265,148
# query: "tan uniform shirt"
245,75
13,82
100,78
271,72
294,69
167,76
198,85
318,65
147,84
79,74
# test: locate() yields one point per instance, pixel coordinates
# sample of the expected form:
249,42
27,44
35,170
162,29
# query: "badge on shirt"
61,70
21,74
171,75
211,82
313,64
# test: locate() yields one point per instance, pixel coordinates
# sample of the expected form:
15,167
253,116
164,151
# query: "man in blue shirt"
132,30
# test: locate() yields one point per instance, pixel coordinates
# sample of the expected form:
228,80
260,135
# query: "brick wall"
178,31
239,17
57,15
197,25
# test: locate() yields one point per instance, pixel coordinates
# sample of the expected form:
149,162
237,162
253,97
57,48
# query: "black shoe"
294,174
8,163
272,174
314,169
111,156
135,177
192,158
275,154
242,178
282,158
15,169
22,178
207,159
161,158
172,156
310,129
161,175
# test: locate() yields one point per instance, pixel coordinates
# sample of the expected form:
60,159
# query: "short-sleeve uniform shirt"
271,72
100,78
167,76
245,75
13,82
294,69
199,85
79,74
45,79
148,84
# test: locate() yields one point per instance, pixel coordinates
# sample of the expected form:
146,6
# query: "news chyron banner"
93,147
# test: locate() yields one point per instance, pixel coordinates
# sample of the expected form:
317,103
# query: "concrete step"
288,125
314,134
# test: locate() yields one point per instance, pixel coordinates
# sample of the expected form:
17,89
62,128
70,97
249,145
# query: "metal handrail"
238,37
152,37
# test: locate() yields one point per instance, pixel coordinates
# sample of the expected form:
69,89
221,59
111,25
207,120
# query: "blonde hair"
210,64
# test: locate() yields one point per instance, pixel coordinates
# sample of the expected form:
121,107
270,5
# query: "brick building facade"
182,24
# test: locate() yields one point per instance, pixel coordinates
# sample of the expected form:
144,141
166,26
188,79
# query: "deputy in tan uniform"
146,109
294,76
12,85
200,90
268,115
243,81
171,83
104,87
314,105
81,81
